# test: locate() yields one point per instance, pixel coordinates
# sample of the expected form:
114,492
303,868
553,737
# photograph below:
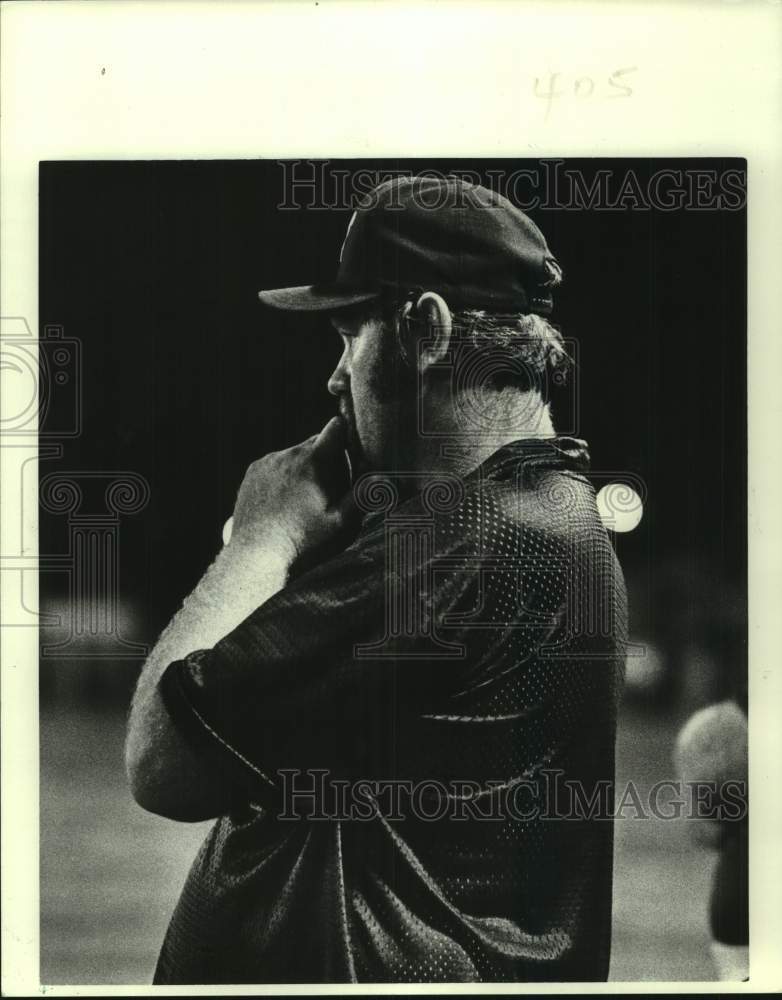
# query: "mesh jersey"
467,651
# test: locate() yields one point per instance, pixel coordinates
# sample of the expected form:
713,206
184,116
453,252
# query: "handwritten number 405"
553,87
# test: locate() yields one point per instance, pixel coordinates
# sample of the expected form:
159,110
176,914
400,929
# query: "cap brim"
314,298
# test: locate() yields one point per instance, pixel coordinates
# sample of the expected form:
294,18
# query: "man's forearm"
282,513
241,579
165,774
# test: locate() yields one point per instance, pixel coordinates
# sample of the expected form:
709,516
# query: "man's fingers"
332,435
330,459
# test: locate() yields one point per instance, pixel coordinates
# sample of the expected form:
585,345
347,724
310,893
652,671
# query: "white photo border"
108,79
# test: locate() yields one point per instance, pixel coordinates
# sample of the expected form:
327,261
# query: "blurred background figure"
690,663
712,747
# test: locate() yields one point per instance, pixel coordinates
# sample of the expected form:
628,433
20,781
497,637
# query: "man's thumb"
332,435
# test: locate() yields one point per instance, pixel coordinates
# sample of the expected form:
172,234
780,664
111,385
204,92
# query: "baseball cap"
439,234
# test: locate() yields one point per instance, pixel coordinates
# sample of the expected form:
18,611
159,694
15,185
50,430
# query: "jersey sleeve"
323,674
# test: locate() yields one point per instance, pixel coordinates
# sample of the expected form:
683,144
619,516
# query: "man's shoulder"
551,509
527,497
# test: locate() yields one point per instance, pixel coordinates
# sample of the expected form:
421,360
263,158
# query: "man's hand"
292,505
298,500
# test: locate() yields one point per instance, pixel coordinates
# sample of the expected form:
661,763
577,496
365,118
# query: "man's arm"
282,512
166,775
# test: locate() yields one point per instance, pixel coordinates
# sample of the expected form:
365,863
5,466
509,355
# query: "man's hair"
521,350
498,350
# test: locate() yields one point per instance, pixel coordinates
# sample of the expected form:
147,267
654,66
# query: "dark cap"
443,235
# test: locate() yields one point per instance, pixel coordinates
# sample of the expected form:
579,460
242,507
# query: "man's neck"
458,447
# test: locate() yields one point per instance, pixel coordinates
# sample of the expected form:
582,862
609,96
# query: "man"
395,697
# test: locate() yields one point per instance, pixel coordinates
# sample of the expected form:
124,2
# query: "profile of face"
376,391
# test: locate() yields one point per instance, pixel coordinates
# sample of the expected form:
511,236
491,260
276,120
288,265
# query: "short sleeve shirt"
419,738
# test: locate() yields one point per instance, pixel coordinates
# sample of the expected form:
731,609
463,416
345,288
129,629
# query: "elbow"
144,792
145,784
142,788
157,794
160,788
140,753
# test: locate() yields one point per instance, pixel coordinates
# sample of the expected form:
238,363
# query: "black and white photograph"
430,511
392,582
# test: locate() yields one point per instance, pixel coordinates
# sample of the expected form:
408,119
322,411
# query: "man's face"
376,393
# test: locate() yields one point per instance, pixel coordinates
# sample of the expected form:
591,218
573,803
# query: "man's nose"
338,383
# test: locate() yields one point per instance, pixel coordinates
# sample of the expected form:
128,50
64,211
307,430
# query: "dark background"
154,268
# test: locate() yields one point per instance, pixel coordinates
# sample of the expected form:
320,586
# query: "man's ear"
436,317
